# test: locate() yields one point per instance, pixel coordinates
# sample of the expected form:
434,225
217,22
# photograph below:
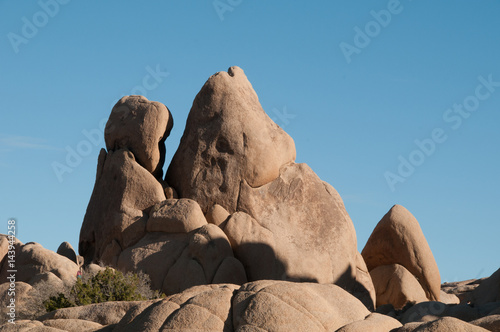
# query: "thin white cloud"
10,142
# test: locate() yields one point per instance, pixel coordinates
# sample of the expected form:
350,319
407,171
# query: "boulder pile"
233,207
240,237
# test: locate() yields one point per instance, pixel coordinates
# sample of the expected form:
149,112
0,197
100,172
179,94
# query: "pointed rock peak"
399,211
398,239
228,139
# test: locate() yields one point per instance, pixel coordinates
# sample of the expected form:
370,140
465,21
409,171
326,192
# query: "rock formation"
283,222
398,239
66,250
129,223
487,291
228,140
238,236
142,127
374,322
445,324
280,221
33,263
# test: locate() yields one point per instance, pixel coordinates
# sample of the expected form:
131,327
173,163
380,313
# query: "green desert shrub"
57,302
106,285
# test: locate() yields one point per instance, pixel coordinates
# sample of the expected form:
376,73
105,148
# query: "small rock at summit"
398,239
140,126
66,250
228,139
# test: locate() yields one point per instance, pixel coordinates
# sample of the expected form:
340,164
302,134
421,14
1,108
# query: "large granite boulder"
395,285
269,305
491,323
258,306
228,139
177,261
66,249
374,322
445,324
201,308
283,222
140,126
398,239
117,213
33,262
364,289
307,227
175,216
130,225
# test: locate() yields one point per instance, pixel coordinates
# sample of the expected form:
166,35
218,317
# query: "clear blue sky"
356,102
